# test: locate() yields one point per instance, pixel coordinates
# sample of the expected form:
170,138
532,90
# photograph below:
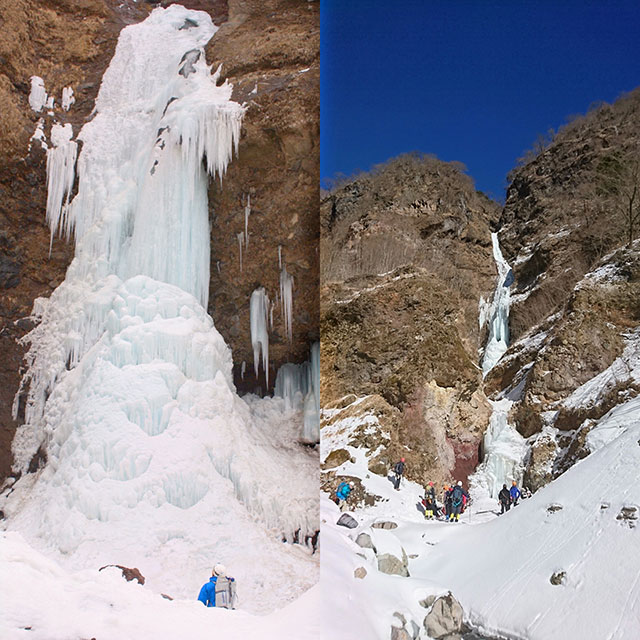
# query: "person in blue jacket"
344,489
514,492
226,596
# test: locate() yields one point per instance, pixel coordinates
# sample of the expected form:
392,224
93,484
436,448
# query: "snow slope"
583,524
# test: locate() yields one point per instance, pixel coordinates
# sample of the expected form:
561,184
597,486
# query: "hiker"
515,494
342,493
430,507
446,499
457,496
430,497
505,499
220,591
398,469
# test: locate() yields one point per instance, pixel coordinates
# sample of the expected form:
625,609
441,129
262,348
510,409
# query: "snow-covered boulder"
390,554
445,618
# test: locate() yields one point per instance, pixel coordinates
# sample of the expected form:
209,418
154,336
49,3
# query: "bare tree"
618,183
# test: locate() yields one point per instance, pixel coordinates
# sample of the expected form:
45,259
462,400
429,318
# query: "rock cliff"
406,257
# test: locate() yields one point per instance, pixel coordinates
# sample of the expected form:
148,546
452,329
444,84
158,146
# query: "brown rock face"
265,44
556,225
411,334
270,52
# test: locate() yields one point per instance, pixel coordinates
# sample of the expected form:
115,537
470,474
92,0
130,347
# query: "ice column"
247,213
497,314
311,426
259,315
286,299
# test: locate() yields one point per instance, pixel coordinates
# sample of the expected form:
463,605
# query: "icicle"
286,297
311,426
38,134
67,98
61,161
243,369
240,237
38,94
247,212
218,265
259,306
279,257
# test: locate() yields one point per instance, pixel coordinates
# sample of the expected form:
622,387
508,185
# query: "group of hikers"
454,501
220,591
454,497
508,497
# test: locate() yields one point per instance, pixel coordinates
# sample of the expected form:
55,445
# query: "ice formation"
299,386
152,458
286,300
497,314
67,98
240,237
504,451
259,315
247,213
61,164
38,94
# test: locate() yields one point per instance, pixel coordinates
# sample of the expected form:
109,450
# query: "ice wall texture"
151,453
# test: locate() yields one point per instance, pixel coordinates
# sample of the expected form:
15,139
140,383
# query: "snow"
153,460
55,604
497,313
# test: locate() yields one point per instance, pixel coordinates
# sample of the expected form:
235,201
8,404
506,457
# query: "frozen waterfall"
504,447
504,450
497,313
152,458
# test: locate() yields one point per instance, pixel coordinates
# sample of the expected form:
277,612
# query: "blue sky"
468,80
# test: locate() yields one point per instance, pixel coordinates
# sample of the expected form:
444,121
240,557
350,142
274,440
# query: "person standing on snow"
446,499
514,493
458,495
220,591
398,469
430,504
505,499
342,493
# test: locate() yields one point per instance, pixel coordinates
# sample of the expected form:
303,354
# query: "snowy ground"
583,524
42,601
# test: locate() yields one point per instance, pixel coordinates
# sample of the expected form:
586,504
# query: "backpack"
225,592
456,496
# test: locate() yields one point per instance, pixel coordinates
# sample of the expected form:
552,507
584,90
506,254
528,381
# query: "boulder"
360,573
348,521
445,618
364,540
